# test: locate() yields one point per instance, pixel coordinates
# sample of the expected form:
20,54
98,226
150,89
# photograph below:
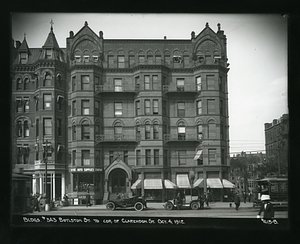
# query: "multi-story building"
121,115
276,137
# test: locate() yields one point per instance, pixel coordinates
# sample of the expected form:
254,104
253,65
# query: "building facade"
276,137
120,115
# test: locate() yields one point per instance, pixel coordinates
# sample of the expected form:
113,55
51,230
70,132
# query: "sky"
256,50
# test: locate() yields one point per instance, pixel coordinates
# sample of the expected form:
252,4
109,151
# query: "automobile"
138,203
190,199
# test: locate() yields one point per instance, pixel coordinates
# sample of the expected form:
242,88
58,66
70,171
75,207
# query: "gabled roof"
86,29
24,46
51,41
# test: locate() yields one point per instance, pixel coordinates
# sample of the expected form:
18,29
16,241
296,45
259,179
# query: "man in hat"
266,207
237,200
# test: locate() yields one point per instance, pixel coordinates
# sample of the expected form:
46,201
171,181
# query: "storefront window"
83,182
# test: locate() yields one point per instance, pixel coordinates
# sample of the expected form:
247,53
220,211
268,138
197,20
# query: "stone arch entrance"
117,181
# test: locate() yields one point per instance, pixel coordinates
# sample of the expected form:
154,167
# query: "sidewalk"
153,205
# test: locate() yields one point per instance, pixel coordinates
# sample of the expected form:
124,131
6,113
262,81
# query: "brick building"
121,115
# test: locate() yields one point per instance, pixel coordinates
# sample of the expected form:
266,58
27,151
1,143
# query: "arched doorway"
117,180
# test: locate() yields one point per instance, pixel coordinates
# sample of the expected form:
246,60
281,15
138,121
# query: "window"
137,108
118,109
85,82
121,62
167,59
212,156
155,106
182,157
138,131
155,130
221,107
165,157
198,83
131,61
157,59
96,80
181,131
47,151
59,127
147,106
47,101
97,158
47,126
180,84
138,157
111,156
26,105
97,108
141,59
85,131
211,130
110,61
118,131
85,107
86,58
77,58
156,156
26,83
74,83
223,157
180,109
73,108
47,79
164,107
125,157
155,82
210,82
48,53
58,78
150,59
199,131
85,157
23,58
74,132
19,84
186,61
60,100
147,82
211,109
97,129
74,158
147,130
26,129
19,129
137,82
148,156
199,107
37,125
118,85
25,153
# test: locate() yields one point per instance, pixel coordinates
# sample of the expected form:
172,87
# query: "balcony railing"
184,88
181,137
117,138
122,88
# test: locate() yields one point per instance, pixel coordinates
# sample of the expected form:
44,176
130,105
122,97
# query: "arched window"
181,131
58,78
19,84
211,129
74,132
147,130
19,129
118,131
26,83
85,130
155,130
26,129
199,131
138,131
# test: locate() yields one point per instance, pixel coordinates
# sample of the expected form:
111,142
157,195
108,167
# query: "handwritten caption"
105,221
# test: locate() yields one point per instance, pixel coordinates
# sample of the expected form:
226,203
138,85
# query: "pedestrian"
237,201
266,208
244,196
250,194
201,199
88,199
178,201
65,200
206,199
36,203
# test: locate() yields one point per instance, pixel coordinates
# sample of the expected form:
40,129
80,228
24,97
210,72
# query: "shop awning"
198,183
153,184
136,184
169,184
198,154
227,184
183,181
214,183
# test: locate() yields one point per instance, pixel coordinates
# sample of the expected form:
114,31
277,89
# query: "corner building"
121,115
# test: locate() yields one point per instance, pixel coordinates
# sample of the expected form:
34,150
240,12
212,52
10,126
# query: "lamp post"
46,145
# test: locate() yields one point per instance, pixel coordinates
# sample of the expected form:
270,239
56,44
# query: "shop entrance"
118,181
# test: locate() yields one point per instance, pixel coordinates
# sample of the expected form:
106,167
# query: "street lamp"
46,147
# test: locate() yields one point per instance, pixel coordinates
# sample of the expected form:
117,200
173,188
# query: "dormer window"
86,58
201,59
95,58
48,54
23,58
78,58
176,59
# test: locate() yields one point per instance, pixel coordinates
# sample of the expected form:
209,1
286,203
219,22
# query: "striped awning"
183,181
227,184
214,183
199,183
169,184
153,184
198,154
136,184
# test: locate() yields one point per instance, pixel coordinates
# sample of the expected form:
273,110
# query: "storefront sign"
85,169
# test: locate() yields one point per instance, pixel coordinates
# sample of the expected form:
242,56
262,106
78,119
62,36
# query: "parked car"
138,203
190,199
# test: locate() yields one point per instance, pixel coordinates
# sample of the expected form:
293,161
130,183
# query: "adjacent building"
121,115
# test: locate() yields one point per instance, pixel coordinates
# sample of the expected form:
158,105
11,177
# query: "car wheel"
169,206
194,205
110,206
138,206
